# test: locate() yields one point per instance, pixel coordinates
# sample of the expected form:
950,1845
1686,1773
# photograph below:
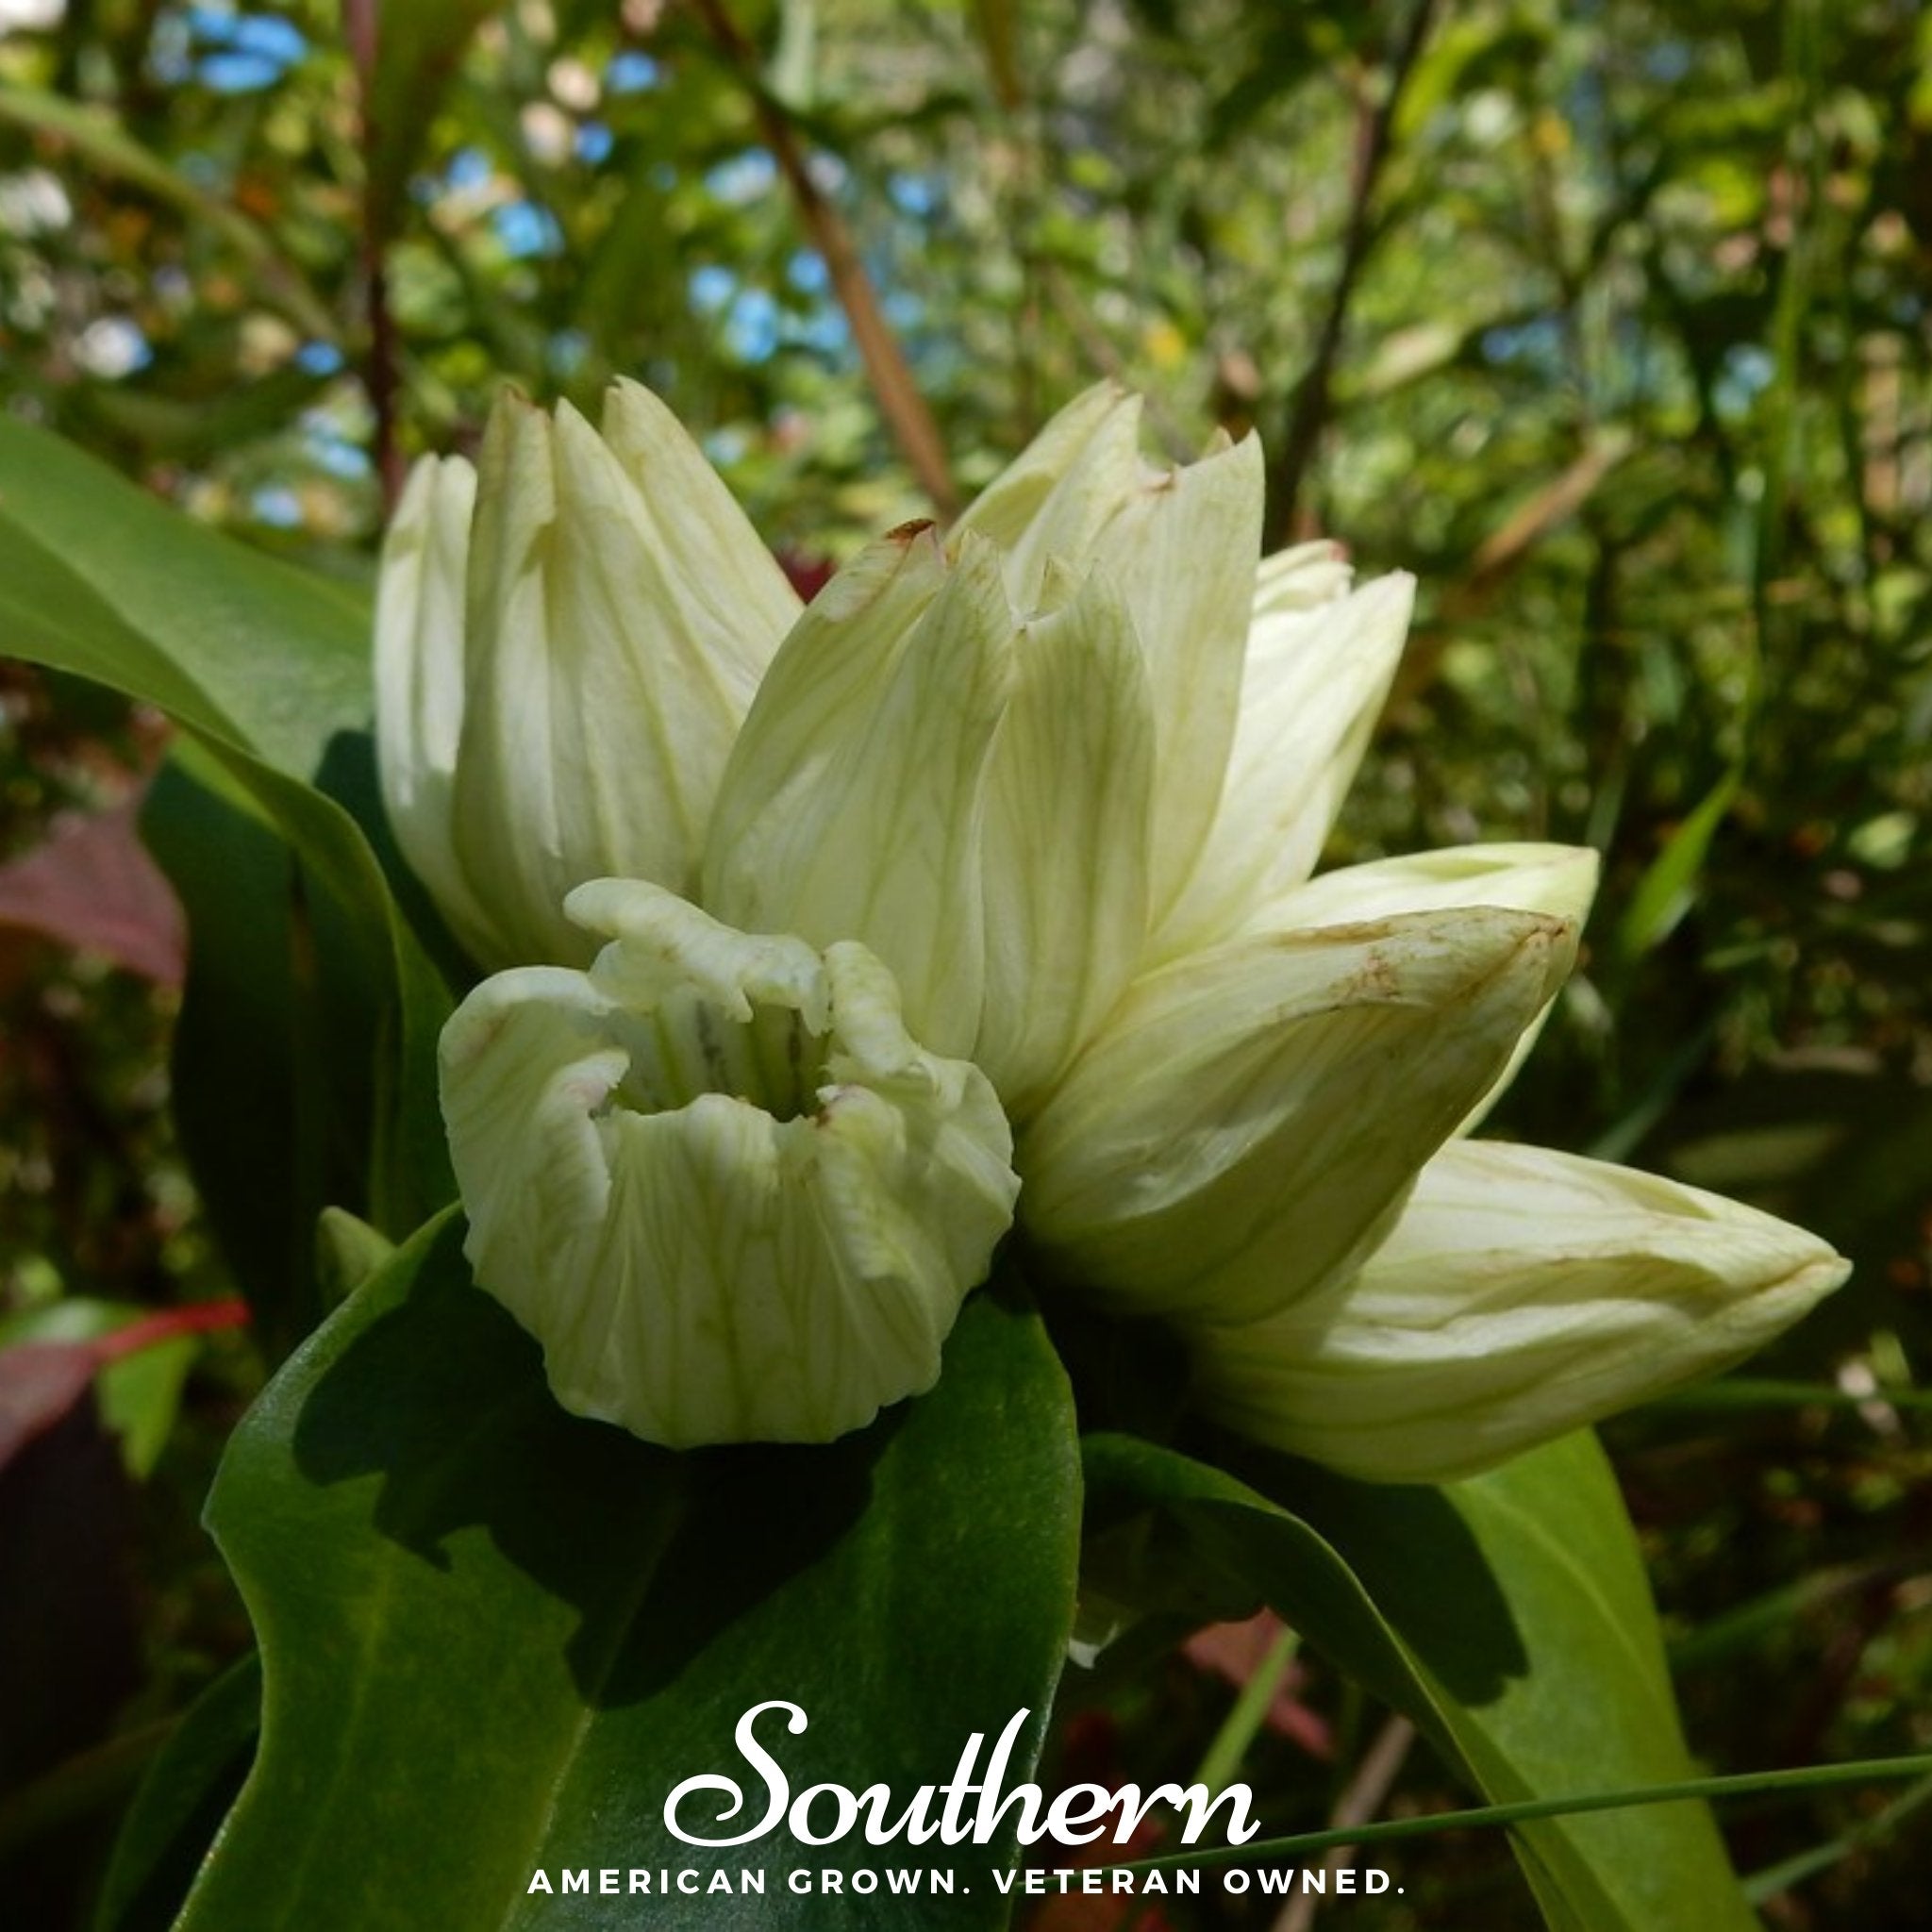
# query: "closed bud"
1179,542
567,642
1251,1116
1522,1294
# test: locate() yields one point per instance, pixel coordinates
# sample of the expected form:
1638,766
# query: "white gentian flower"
1248,1116
567,639
715,1176
1522,1293
968,789
1061,780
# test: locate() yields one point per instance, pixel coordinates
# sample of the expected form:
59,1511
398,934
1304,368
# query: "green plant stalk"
1243,1724
1742,1785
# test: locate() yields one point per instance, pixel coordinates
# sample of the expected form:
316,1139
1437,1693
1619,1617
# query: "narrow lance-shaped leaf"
1508,1615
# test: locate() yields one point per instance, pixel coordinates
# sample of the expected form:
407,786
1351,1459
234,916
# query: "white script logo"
825,1813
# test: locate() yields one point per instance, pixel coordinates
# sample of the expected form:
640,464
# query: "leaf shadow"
1419,1562
442,1397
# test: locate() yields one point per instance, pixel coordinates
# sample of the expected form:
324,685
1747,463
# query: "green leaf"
272,1102
305,1058
351,1251
495,1637
308,1040
98,577
1508,1615
1668,888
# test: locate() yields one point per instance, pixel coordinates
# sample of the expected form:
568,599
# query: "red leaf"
39,1381
1235,1651
91,885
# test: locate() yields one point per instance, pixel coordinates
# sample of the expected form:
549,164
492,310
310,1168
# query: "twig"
1367,1788
360,29
1309,415
886,367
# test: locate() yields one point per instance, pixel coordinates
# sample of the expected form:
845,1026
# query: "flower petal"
1314,683
718,600
772,1256
1180,543
1557,880
1182,549
1250,1117
1067,842
1303,578
1522,1293
853,803
620,610
1105,414
419,681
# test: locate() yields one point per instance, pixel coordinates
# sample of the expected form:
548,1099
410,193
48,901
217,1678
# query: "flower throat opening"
689,1045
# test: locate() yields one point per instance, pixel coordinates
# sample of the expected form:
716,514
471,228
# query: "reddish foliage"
40,1381
1235,1651
91,885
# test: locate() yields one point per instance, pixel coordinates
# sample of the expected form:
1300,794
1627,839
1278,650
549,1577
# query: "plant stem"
1309,415
891,377
1243,1724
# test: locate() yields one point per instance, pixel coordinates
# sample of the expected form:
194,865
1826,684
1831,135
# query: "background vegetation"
1609,320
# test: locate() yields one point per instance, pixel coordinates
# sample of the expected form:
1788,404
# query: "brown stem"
361,29
893,385
1309,415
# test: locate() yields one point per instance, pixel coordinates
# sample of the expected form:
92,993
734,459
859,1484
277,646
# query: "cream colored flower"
715,1176
967,787
567,641
1061,780
1523,1292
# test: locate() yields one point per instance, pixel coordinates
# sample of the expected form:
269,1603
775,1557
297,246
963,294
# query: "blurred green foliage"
1609,320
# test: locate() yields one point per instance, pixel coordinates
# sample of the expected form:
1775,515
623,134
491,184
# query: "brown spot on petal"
905,532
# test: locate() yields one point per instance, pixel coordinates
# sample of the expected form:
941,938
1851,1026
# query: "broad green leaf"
98,577
304,1057
272,1102
494,1637
302,960
1508,1615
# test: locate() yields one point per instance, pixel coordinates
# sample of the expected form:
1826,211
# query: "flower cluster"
825,942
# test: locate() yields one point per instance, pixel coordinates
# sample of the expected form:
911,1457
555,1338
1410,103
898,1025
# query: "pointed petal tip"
435,480
1522,1293
511,408
1393,588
